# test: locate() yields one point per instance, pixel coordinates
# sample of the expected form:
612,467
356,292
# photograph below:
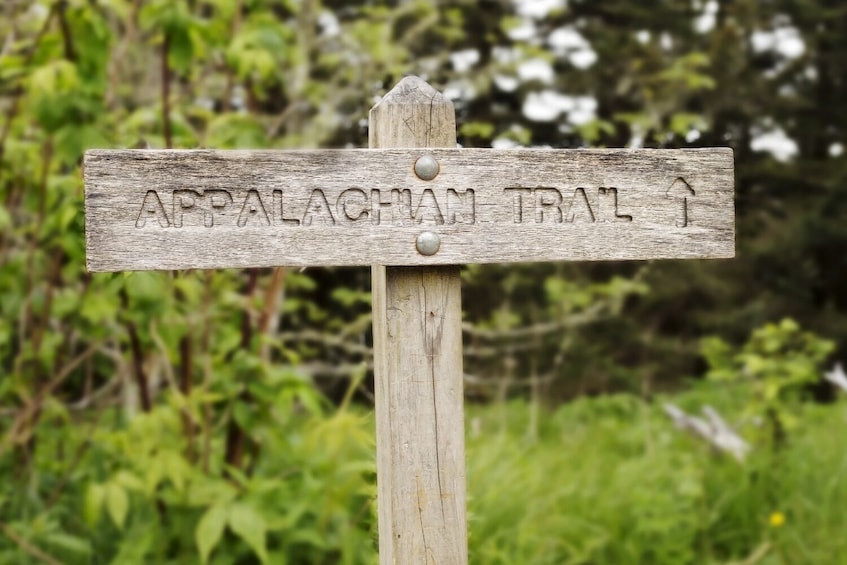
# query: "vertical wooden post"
417,316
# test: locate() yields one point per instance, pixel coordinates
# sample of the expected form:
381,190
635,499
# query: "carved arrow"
682,191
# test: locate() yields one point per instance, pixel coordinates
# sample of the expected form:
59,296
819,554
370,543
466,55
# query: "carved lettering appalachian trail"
553,205
218,207
396,207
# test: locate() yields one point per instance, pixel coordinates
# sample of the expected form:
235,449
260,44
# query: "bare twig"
137,352
119,56
80,451
236,436
226,101
269,315
587,316
166,92
19,89
478,381
758,554
186,382
205,344
67,36
92,397
168,371
26,546
27,415
312,336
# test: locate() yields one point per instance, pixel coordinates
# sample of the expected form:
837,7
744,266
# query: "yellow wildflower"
776,519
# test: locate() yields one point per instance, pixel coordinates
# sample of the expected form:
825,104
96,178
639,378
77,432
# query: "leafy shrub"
779,362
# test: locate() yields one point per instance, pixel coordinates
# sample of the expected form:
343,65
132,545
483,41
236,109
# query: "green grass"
609,480
605,480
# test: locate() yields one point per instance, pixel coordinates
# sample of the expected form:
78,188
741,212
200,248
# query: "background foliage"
221,416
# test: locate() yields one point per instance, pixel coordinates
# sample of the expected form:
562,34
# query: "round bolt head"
426,167
428,243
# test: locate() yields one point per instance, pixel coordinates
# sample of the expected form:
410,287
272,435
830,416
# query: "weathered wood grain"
418,377
212,209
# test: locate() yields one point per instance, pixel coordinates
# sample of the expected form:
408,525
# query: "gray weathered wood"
417,316
211,209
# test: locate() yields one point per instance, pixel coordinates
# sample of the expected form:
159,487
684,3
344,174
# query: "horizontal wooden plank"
205,209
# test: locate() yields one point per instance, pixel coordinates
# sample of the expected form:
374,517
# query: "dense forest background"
171,417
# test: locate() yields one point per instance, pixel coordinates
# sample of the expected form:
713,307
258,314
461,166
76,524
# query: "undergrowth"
599,480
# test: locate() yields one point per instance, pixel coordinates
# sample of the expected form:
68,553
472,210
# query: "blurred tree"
763,78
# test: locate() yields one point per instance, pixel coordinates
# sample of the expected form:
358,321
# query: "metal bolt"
428,243
426,167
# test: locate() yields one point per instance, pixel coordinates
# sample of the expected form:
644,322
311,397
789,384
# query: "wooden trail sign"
415,207
205,209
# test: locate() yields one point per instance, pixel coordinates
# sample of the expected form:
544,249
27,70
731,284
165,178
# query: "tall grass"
604,480
608,480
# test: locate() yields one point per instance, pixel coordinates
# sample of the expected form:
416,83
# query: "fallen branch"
714,430
837,377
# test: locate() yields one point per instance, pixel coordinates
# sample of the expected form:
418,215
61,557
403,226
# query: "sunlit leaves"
249,525
55,78
688,71
236,131
117,503
779,361
258,49
95,494
209,530
174,21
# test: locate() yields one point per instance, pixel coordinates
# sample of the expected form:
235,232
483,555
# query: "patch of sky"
536,69
459,90
548,105
538,9
329,24
567,42
772,139
785,41
463,60
506,83
705,22
526,31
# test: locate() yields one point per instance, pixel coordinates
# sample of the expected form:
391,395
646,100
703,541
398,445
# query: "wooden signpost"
415,207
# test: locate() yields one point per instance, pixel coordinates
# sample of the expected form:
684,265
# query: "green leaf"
129,481
181,52
5,218
117,503
69,543
98,309
235,130
136,544
209,530
93,503
176,469
484,130
249,525
54,77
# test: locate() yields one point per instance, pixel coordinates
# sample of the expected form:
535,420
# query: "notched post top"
413,90
413,114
